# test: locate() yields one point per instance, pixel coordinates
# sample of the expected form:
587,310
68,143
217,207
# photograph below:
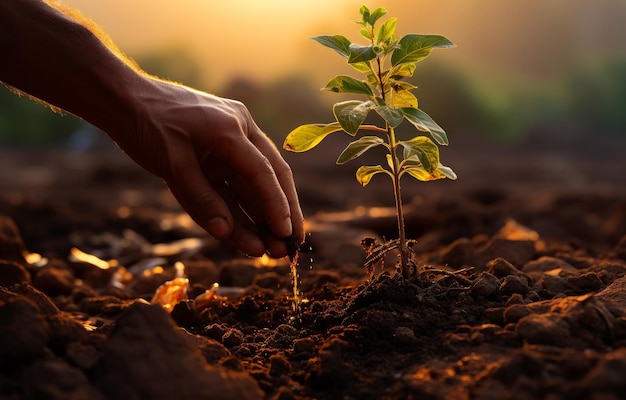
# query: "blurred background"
533,77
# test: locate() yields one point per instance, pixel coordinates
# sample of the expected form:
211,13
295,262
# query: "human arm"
219,165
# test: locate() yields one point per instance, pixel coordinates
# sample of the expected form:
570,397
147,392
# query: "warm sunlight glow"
171,293
267,261
78,255
265,40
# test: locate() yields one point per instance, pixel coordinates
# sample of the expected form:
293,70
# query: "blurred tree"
281,105
596,96
26,122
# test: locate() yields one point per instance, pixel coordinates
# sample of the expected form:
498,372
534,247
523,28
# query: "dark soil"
521,290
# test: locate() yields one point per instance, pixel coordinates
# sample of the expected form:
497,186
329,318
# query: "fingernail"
218,227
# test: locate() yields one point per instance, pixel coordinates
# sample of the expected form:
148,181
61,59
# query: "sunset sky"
269,38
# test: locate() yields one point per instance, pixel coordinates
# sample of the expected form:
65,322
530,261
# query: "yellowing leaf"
425,149
419,173
400,99
305,137
365,173
407,69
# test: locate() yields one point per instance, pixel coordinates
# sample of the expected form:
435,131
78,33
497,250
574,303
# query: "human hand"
223,170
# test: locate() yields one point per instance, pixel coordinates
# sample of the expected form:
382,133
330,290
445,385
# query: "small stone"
555,285
54,281
43,302
586,283
215,331
304,348
547,329
404,336
279,365
232,338
500,268
515,312
485,285
512,284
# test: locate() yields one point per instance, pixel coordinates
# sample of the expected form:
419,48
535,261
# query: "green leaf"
365,13
358,147
305,137
360,53
365,173
393,116
386,31
425,123
425,149
365,33
339,43
351,114
376,15
346,84
418,172
414,48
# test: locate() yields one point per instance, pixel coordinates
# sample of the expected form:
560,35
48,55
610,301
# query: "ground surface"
521,292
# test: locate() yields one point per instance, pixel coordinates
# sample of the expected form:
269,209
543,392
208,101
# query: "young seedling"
385,62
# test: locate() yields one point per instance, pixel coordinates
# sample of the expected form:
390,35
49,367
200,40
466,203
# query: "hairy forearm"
56,56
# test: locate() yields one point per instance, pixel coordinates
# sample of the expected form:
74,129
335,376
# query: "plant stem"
404,251
395,164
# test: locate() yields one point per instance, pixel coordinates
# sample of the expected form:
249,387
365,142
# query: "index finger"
285,178
252,164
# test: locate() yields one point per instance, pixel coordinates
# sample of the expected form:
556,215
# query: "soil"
520,292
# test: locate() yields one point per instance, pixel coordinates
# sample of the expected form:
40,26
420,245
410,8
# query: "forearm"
57,59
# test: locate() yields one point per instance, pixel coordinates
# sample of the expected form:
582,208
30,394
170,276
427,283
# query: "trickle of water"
294,276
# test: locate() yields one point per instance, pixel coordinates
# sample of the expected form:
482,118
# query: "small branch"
373,128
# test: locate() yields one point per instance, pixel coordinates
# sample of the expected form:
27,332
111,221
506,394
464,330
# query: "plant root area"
520,293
